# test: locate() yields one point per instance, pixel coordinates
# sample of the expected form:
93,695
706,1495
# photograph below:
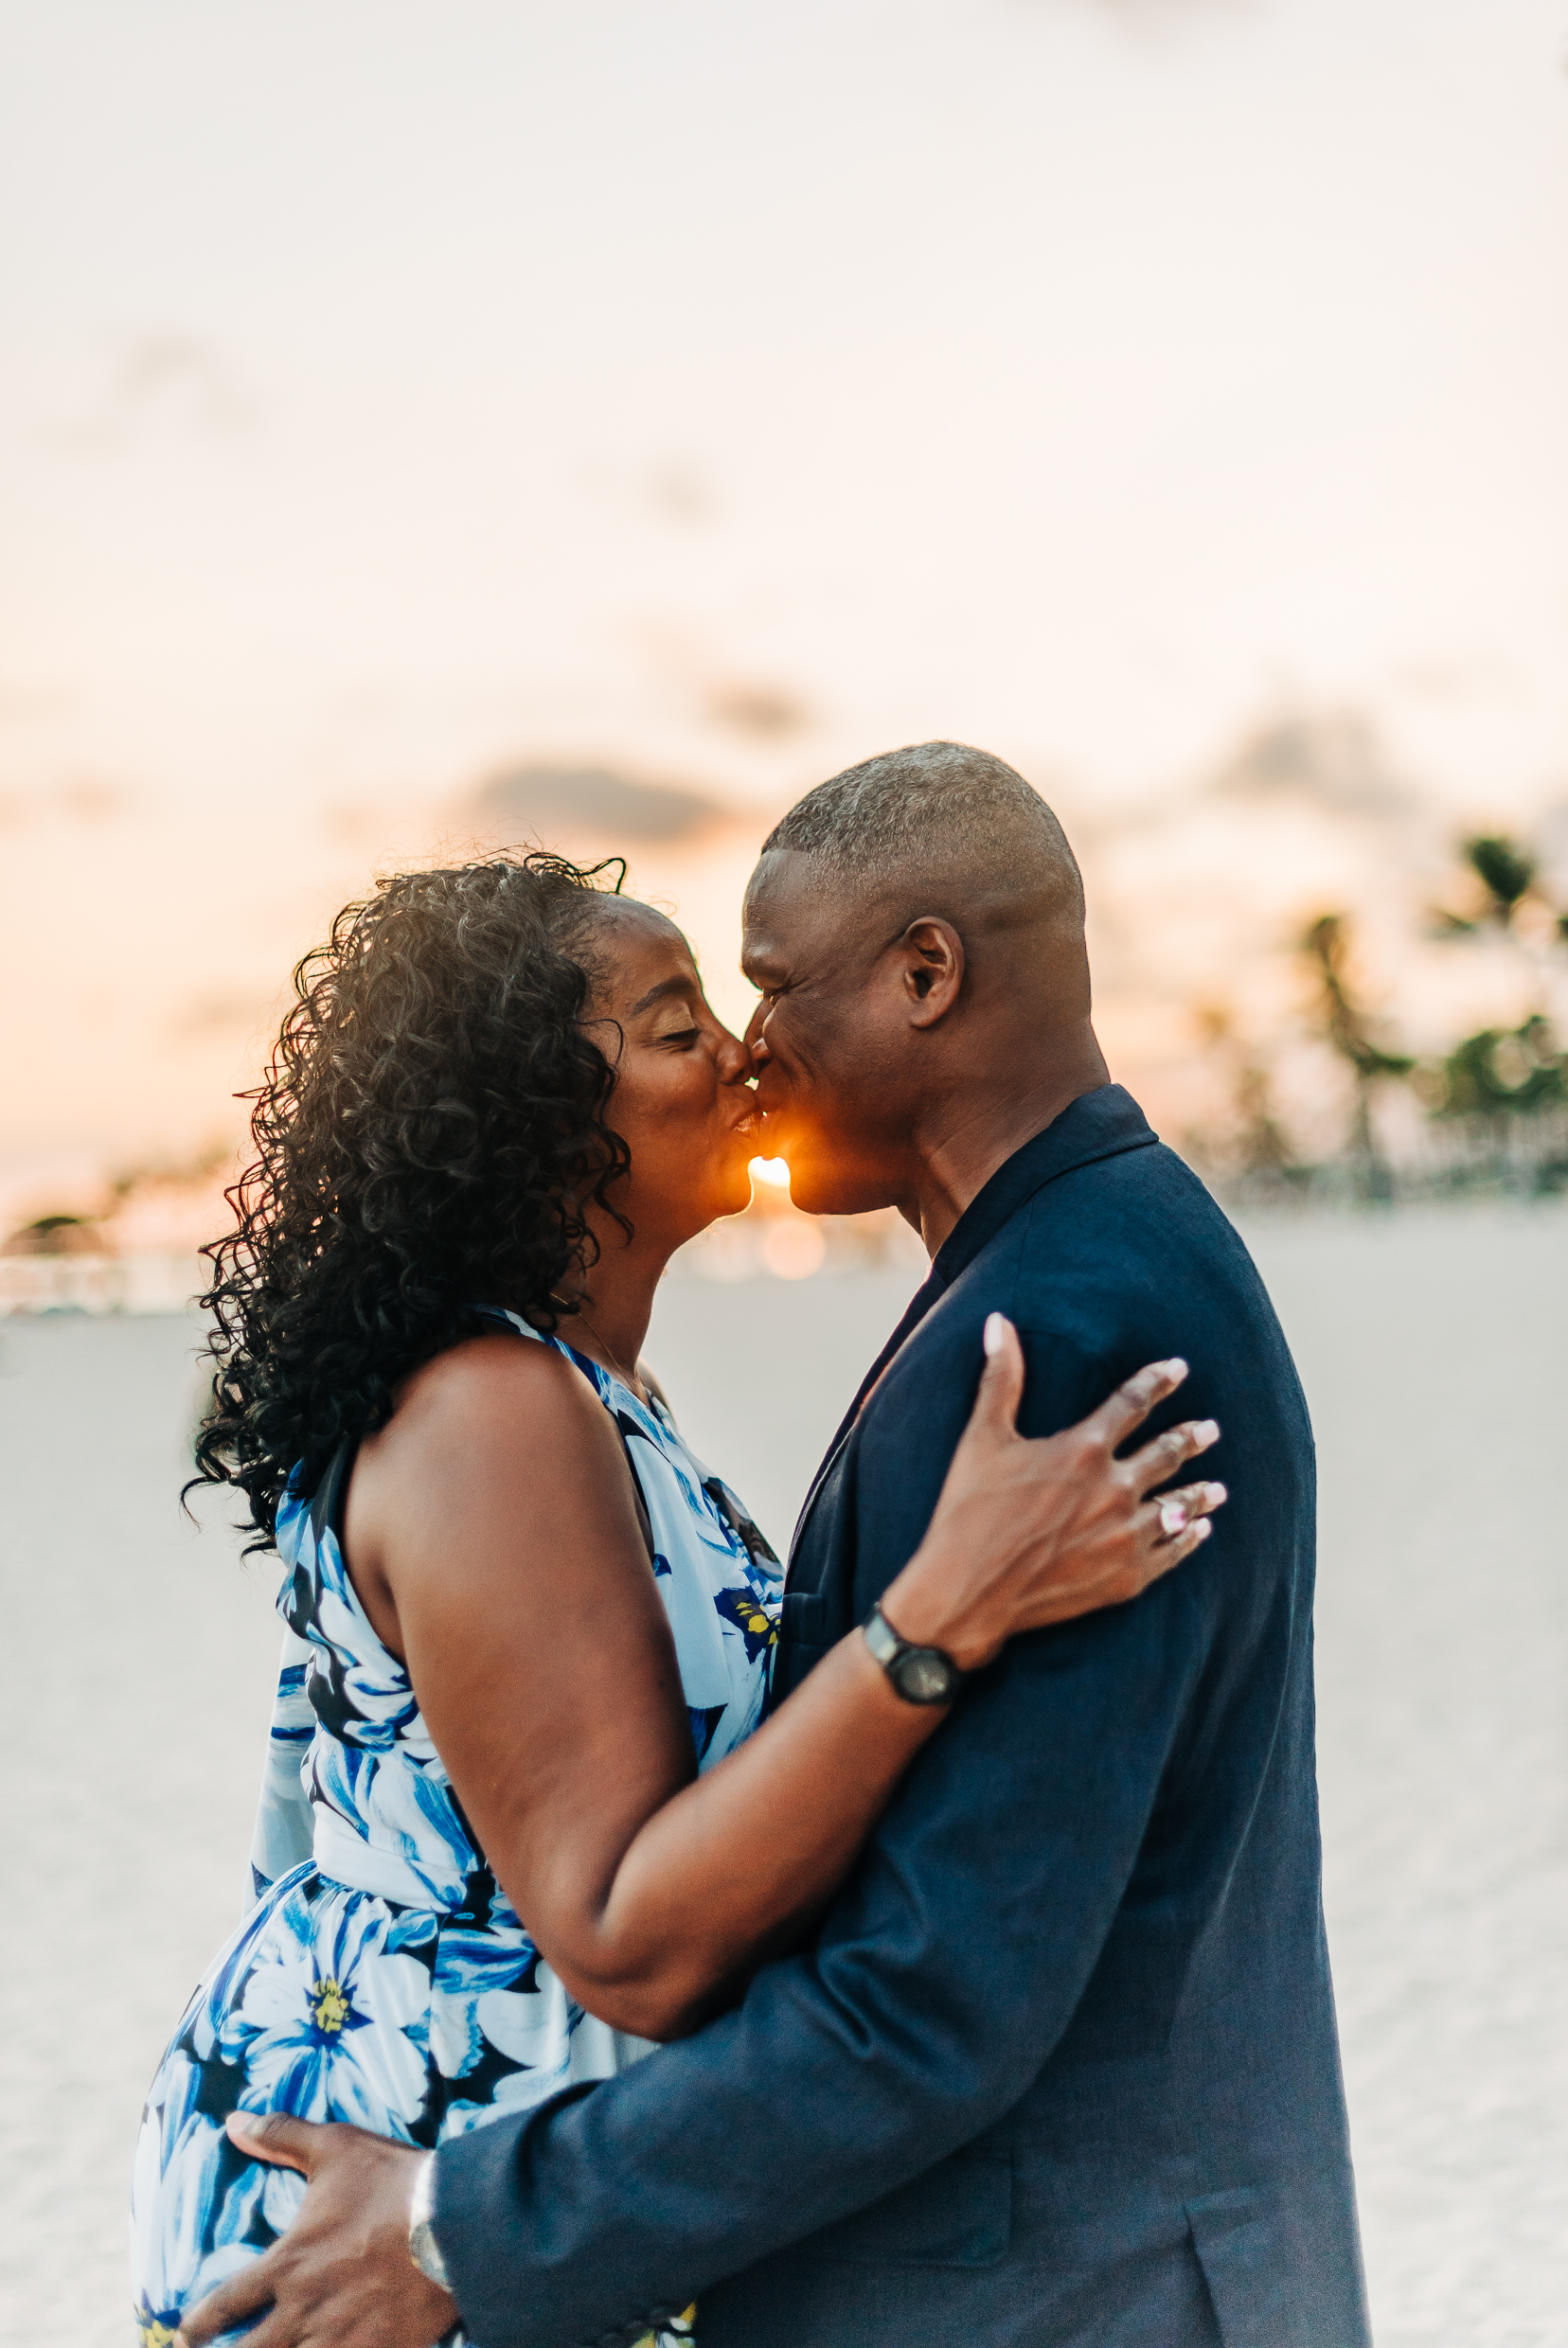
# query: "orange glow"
774,1172
794,1251
1295,650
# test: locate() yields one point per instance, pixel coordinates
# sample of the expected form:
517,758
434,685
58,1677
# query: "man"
1061,2070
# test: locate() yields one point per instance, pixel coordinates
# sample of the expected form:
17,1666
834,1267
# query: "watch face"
924,1675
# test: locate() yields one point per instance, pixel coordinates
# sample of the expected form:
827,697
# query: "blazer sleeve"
947,1969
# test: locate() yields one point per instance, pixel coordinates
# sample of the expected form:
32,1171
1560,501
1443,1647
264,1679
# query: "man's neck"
970,1139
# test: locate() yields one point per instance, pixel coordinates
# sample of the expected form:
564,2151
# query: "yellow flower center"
679,2328
329,2005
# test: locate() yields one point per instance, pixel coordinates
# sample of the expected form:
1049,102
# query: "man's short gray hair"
932,804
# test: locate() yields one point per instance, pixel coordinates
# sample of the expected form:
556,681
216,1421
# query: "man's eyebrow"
656,994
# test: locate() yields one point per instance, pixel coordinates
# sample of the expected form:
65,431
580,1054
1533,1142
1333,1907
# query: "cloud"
761,707
766,712
1333,758
85,801
558,803
673,487
217,1013
163,381
679,490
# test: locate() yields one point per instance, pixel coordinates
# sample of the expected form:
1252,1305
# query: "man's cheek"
773,1088
789,1070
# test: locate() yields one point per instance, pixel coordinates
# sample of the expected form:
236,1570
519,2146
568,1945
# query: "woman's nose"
733,1059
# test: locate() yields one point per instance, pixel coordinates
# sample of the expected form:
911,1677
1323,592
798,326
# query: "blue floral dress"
382,1976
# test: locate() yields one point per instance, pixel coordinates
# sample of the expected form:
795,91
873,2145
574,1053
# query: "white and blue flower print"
382,1976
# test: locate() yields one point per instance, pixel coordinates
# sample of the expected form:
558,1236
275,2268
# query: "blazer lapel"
914,1312
1097,1124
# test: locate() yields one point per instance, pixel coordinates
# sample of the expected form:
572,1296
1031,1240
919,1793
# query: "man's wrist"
423,2249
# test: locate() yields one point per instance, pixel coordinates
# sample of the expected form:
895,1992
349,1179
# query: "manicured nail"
1176,1368
1203,1528
991,1337
1217,1496
1206,1432
1173,1517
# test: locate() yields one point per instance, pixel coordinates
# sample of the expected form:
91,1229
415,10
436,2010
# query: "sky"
417,423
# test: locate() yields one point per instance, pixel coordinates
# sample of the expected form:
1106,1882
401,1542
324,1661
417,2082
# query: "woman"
517,1827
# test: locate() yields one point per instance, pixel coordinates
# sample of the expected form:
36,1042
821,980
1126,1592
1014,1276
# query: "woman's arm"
492,1536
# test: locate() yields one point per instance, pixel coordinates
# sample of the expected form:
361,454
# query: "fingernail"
1173,1517
991,1336
1204,1528
1217,1495
1176,1368
1206,1432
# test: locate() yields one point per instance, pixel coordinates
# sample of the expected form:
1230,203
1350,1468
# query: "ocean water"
138,1654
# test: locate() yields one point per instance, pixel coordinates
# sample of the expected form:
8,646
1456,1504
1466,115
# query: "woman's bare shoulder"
497,1448
490,1389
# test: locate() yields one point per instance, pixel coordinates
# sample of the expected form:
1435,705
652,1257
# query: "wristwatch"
921,1674
423,2249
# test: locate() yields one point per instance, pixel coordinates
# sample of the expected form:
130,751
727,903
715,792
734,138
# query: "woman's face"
683,1102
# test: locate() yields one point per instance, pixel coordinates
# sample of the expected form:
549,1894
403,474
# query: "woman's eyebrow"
656,994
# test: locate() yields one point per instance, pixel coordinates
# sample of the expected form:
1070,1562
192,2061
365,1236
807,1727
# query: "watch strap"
920,1675
881,1637
423,2249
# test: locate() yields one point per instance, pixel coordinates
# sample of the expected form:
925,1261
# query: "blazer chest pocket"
956,2215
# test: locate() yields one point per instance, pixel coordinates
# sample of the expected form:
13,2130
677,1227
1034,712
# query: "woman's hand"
495,1515
1030,1533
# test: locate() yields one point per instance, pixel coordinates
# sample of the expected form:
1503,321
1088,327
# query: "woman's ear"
933,954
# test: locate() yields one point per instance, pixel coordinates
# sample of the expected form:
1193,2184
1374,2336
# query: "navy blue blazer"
1061,2067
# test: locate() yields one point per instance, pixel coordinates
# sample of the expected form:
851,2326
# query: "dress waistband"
348,1859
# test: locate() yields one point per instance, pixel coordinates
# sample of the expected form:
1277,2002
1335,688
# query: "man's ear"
932,953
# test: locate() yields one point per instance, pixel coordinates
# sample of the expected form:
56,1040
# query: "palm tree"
1252,1141
1501,1074
1348,1026
1505,1072
1509,882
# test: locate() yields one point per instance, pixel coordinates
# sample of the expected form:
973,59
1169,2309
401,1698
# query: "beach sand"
138,1659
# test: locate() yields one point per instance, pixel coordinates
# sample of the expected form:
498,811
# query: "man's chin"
820,1187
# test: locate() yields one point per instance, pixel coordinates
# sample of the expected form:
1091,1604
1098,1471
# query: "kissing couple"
922,1947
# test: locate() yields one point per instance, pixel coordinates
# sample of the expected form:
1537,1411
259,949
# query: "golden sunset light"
1141,392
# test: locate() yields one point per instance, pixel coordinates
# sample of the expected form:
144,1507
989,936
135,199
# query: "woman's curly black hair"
429,1133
